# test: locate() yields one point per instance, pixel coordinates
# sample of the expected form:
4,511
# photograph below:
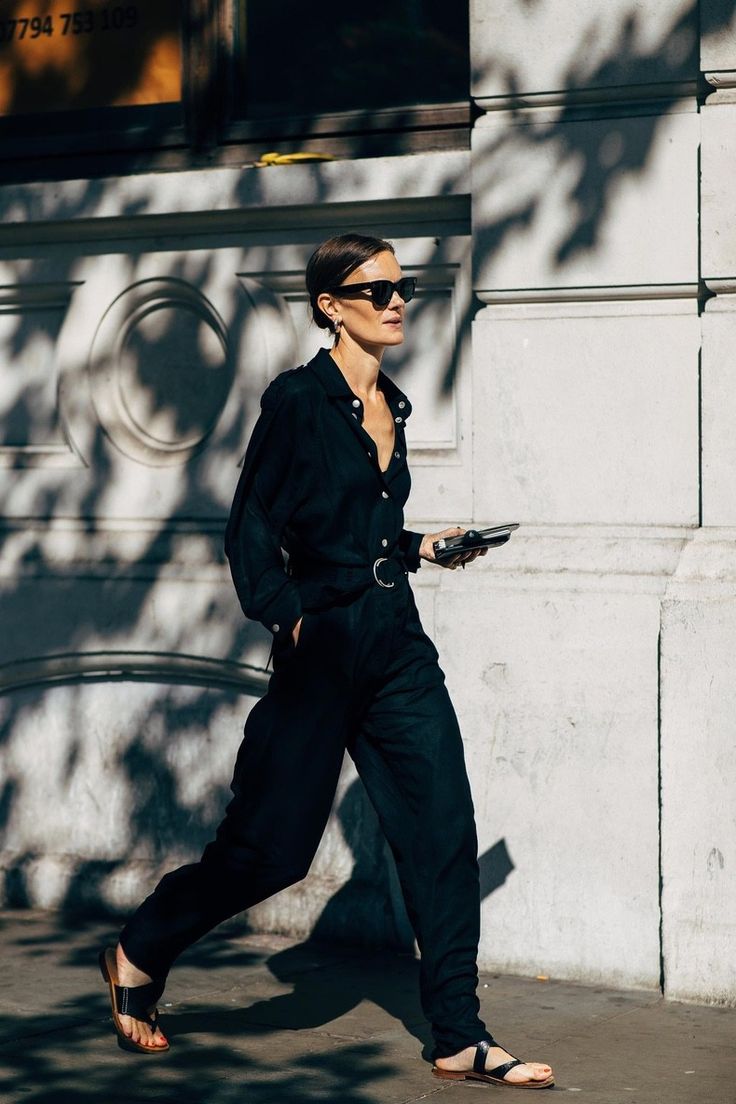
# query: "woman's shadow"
339,965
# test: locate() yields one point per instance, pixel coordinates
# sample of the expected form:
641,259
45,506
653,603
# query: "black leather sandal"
132,1001
494,1076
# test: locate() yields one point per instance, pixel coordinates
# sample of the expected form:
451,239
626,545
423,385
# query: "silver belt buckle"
380,560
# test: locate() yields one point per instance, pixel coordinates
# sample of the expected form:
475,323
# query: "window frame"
202,129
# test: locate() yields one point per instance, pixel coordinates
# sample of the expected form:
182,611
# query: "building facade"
572,223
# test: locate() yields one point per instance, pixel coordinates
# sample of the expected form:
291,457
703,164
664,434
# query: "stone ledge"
149,666
234,192
578,103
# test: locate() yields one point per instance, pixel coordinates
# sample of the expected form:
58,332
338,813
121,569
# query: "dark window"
301,58
93,87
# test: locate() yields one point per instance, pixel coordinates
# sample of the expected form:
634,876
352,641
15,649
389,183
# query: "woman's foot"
496,1056
136,1030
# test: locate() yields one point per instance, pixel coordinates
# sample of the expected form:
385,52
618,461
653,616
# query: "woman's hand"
426,551
296,630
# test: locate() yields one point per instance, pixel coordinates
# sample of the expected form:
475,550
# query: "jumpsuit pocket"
305,620
310,626
289,646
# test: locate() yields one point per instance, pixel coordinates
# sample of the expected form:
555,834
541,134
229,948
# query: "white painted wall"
603,417
564,374
130,373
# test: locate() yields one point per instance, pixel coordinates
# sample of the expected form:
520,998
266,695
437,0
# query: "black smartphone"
448,547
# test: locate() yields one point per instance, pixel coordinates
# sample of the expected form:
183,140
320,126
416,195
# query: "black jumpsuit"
362,676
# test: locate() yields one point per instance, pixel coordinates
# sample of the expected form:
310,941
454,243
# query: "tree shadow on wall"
78,583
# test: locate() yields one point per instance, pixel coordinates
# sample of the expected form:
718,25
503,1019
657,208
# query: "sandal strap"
135,1000
479,1061
501,1071
481,1050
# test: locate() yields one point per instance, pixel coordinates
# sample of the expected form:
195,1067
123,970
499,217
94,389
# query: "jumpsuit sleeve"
409,544
268,490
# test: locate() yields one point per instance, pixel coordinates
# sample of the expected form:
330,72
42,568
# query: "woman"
325,478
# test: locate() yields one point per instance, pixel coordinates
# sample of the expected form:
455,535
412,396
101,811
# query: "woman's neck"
359,365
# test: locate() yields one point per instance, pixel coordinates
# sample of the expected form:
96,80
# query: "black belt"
320,583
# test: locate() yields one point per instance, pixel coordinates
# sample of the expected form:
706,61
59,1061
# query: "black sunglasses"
381,290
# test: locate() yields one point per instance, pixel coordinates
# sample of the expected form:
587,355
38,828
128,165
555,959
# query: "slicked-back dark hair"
333,261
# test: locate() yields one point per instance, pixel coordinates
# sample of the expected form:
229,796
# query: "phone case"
447,547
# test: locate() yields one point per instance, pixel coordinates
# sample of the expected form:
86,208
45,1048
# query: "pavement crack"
424,1096
601,1021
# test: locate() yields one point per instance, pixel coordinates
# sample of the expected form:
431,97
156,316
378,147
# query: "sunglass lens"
381,292
406,288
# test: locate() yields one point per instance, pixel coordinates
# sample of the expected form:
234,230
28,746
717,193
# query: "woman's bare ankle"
457,1061
128,974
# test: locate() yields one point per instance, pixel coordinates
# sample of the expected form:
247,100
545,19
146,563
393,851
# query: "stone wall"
569,365
142,318
603,236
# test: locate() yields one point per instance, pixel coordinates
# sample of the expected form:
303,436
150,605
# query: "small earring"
337,324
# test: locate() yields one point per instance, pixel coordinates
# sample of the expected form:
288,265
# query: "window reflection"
296,58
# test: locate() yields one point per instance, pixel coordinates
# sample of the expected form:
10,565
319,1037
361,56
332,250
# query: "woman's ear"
327,305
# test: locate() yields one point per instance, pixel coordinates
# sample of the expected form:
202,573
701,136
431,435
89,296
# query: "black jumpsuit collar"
337,387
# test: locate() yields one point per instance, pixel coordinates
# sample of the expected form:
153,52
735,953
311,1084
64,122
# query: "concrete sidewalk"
266,1020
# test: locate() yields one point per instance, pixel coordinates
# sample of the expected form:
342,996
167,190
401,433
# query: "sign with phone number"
78,22
57,56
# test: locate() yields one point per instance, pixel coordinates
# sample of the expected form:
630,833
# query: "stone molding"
37,296
724,294
722,78
422,187
612,294
612,98
141,666
112,398
566,552
24,299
